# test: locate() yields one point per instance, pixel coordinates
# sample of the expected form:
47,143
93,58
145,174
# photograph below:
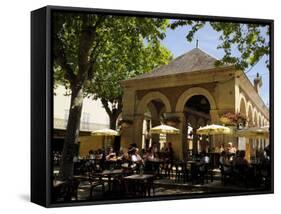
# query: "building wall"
94,143
224,94
93,114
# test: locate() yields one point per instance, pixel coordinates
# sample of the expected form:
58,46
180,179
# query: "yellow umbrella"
214,130
104,132
164,129
254,132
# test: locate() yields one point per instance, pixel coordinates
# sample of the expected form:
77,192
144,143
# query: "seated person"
111,155
224,162
240,163
170,152
99,154
125,155
149,155
204,160
231,150
266,166
135,157
91,155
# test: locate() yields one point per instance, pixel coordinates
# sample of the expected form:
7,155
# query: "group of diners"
153,160
232,163
128,158
236,168
132,154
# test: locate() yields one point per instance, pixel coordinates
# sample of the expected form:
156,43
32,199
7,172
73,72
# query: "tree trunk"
112,121
72,132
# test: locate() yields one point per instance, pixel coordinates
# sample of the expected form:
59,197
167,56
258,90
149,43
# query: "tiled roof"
194,60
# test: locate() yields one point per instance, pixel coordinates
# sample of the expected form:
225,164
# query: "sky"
208,40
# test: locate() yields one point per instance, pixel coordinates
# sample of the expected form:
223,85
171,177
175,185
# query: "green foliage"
121,47
250,40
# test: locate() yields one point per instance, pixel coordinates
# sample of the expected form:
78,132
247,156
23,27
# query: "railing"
61,124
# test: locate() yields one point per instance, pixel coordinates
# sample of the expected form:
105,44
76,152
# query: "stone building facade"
190,91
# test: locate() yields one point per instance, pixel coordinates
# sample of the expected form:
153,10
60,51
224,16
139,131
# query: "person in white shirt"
136,157
231,149
204,161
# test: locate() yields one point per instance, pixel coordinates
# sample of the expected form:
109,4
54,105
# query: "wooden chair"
95,181
225,175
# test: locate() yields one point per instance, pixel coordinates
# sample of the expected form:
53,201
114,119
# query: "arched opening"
243,107
153,116
259,121
255,118
250,116
197,113
193,92
149,113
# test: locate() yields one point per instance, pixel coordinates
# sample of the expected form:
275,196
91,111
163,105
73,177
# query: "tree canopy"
132,56
251,41
117,42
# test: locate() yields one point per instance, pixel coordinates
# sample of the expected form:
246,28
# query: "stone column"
155,137
126,136
195,140
214,116
138,125
128,114
215,140
179,141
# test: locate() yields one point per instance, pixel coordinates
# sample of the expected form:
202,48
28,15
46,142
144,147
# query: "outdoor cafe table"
110,175
154,166
142,183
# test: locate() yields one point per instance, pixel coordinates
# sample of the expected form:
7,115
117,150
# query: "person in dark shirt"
170,152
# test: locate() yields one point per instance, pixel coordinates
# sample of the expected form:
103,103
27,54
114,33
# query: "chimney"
258,83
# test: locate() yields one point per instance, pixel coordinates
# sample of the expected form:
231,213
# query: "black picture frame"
42,101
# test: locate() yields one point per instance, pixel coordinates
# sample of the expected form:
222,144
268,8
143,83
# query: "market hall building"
187,93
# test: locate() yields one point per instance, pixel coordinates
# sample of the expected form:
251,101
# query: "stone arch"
184,97
250,113
243,105
263,121
259,119
153,111
153,96
255,118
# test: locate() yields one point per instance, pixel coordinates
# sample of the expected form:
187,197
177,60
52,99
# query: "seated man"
203,165
136,158
205,160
